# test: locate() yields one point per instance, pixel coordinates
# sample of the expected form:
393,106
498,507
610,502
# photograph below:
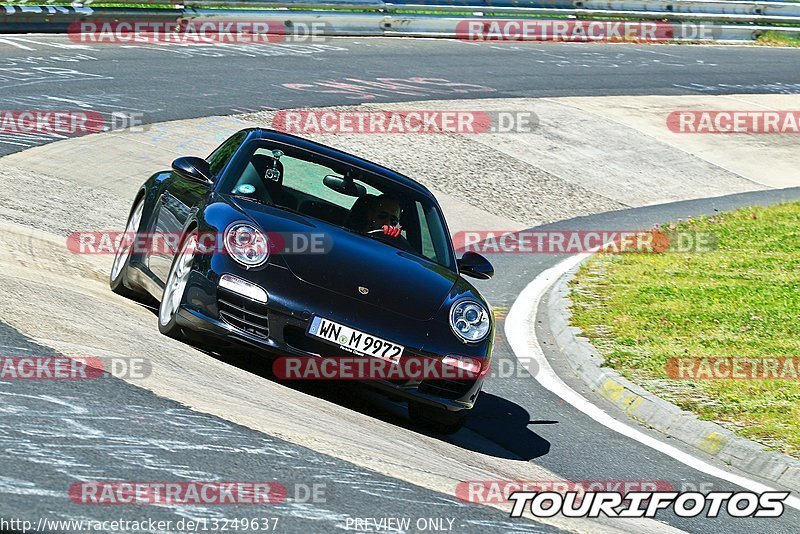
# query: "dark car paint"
356,260
409,297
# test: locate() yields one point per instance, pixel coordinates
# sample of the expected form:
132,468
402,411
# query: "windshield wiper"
251,199
272,205
290,210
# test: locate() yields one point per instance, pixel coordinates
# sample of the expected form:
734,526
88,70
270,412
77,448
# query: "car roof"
344,157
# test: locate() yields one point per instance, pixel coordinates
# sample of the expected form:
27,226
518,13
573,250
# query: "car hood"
360,267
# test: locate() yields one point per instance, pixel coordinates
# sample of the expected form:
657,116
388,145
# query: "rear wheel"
119,269
437,419
176,285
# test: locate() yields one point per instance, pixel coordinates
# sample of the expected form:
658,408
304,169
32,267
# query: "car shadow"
507,425
496,426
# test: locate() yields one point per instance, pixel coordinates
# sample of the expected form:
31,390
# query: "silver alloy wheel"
126,244
176,281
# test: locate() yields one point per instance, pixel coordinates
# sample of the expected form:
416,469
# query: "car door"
179,199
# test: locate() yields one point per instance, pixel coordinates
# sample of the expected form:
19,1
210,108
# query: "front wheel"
437,419
176,285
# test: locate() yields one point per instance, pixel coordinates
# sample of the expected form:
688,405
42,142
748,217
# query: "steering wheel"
398,242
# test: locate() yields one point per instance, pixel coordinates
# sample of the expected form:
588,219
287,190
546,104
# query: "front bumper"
439,393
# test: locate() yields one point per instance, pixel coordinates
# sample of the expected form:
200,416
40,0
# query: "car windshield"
343,195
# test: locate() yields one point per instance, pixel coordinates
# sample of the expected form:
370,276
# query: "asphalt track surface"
107,428
169,82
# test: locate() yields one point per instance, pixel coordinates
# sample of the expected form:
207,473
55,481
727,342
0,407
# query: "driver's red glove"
391,231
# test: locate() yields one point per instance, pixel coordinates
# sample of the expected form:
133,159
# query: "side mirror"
474,265
194,169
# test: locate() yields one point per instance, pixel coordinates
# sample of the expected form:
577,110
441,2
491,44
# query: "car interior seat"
357,218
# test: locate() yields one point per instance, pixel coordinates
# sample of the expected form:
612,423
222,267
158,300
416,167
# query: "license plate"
354,340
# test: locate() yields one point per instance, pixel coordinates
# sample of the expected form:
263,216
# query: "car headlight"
470,320
247,244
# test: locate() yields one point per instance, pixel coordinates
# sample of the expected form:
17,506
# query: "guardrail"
709,7
726,19
665,7
586,13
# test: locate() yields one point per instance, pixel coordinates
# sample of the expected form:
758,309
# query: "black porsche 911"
311,242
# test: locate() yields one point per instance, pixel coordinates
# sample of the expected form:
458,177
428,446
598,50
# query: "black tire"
170,327
119,278
437,419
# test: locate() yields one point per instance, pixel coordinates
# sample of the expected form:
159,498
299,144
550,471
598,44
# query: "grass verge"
771,38
740,300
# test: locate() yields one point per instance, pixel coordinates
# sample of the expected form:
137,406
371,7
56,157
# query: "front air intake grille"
448,389
243,313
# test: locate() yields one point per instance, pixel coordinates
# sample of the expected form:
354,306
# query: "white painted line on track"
12,43
520,331
55,44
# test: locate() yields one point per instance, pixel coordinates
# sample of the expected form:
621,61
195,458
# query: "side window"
222,155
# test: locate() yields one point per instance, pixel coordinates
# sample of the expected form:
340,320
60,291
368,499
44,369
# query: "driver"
383,213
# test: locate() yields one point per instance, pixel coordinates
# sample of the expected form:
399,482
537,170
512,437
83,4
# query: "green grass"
771,38
742,299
